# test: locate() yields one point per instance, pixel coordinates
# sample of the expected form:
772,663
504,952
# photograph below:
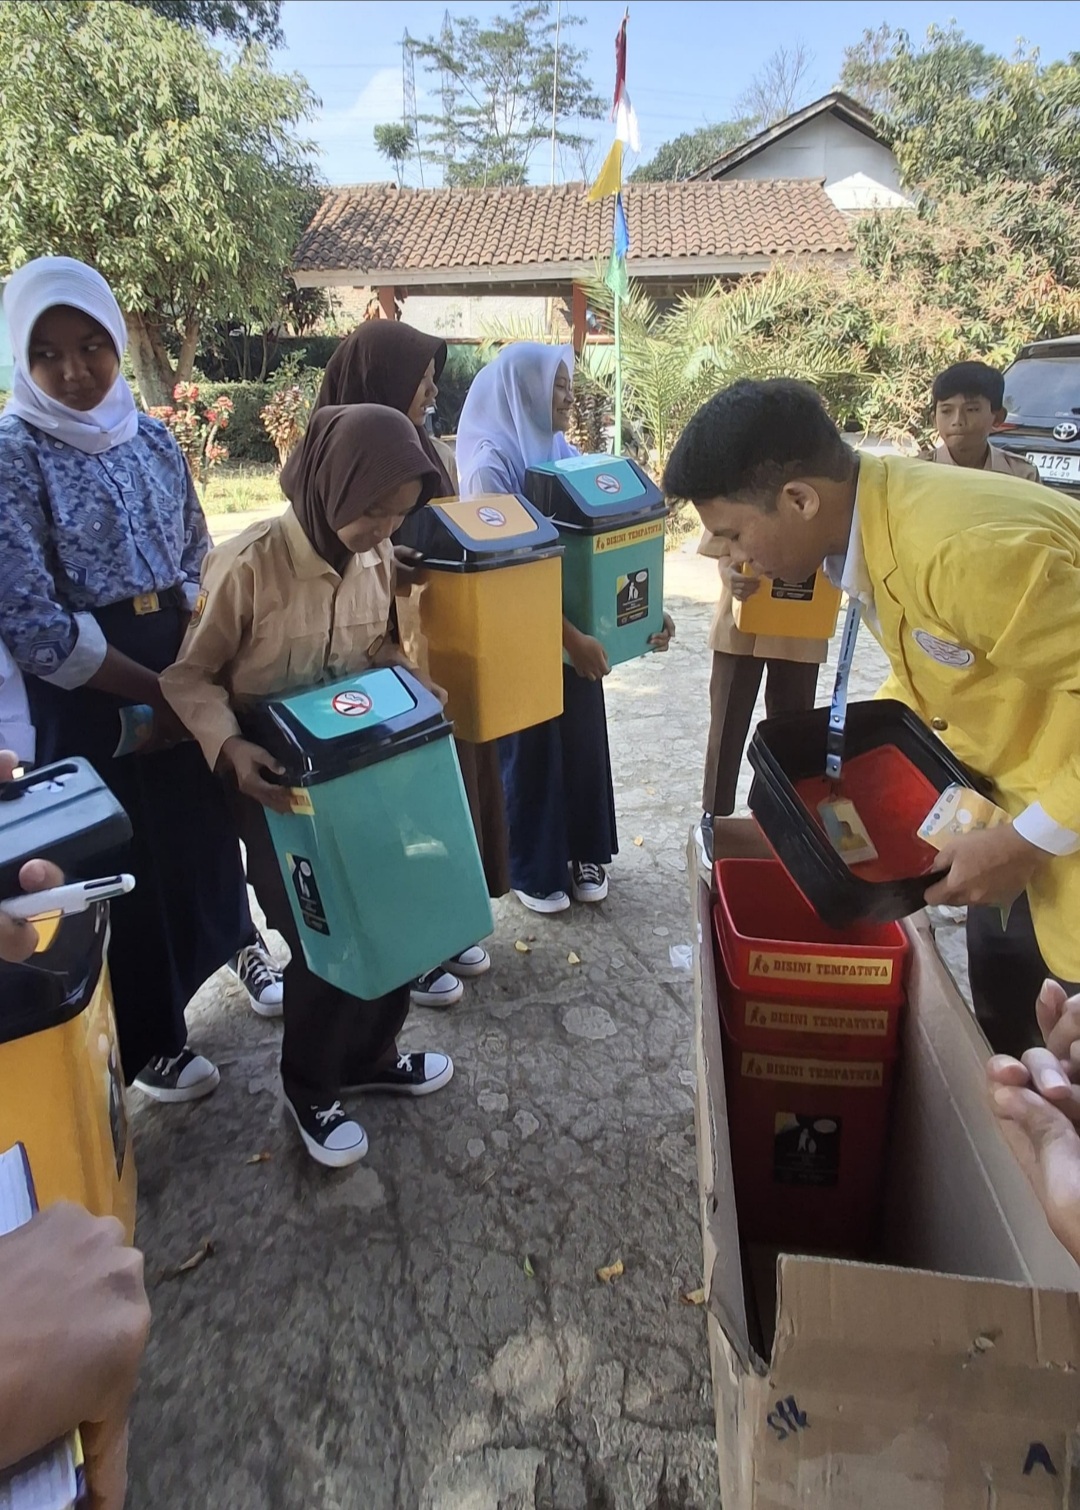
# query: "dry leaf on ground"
639,841
573,959
202,1253
530,1272
610,1272
521,946
693,1298
259,1158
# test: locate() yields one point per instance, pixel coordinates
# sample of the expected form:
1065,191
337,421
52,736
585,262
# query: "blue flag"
622,230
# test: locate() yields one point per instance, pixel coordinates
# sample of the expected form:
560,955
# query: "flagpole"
617,449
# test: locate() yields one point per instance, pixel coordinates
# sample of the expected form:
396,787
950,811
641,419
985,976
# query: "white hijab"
41,285
506,418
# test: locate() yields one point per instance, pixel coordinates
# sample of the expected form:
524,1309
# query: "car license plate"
1056,468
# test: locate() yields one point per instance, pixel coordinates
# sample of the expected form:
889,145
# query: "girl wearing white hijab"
557,775
101,541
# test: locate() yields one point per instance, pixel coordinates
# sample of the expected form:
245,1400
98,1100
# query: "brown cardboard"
948,1379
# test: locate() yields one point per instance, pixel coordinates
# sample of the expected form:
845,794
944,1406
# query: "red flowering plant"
195,423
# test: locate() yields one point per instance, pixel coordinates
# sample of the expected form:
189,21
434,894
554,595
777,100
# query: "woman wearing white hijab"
556,776
101,541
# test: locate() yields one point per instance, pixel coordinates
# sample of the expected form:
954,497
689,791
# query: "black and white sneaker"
185,1077
329,1134
413,1075
590,882
470,962
438,988
703,838
261,979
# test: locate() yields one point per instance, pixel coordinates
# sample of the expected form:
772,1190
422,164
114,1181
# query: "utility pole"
408,98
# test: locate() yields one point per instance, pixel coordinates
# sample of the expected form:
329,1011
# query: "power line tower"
449,95
408,98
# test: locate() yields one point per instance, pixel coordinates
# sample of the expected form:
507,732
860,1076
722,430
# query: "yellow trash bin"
61,1087
797,610
491,612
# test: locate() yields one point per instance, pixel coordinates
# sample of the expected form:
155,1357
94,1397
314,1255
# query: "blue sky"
689,60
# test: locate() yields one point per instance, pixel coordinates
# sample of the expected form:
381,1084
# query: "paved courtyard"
427,1331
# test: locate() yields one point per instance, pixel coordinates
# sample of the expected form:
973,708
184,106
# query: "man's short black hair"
752,438
971,380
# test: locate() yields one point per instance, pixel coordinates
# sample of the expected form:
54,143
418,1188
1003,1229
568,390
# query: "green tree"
394,142
131,143
498,84
240,21
692,151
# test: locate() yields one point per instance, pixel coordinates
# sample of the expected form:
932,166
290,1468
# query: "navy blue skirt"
560,805
189,912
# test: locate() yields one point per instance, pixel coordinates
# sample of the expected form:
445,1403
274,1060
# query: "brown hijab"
382,362
349,457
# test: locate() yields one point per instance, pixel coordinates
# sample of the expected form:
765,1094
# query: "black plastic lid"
324,732
591,495
62,812
56,984
479,534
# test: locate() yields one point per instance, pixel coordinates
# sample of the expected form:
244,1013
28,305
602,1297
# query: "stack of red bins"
810,1021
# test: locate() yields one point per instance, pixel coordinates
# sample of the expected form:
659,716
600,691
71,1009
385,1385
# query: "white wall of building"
859,173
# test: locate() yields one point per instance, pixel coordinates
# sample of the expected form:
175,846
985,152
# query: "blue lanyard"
834,740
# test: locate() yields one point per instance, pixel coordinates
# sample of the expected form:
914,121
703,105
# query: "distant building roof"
842,106
440,238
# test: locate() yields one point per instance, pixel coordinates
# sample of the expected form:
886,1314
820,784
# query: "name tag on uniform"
147,602
943,651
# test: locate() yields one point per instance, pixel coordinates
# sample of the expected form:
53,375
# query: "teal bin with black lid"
379,853
610,515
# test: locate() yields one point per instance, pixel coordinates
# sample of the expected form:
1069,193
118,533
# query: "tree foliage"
692,151
240,21
394,141
132,144
497,82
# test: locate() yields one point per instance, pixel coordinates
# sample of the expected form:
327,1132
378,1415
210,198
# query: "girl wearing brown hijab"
386,362
291,602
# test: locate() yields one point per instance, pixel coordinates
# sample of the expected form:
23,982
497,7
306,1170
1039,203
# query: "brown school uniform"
791,672
997,461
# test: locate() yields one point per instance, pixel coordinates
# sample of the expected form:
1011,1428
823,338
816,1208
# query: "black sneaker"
329,1134
260,978
413,1075
185,1077
703,837
589,882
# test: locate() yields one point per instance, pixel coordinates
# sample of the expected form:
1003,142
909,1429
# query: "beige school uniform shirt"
997,461
726,638
273,616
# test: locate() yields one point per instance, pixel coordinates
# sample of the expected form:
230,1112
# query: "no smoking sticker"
351,704
608,484
490,516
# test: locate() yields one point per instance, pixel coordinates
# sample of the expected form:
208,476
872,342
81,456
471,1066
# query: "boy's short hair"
752,438
971,380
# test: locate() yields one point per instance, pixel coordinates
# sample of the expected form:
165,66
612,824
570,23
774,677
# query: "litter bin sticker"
806,1150
491,516
608,484
632,598
351,704
307,894
794,592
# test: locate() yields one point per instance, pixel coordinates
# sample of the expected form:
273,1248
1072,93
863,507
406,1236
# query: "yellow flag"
609,179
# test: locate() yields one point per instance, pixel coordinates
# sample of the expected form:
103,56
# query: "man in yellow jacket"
971,583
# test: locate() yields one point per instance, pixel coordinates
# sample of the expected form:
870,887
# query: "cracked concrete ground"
427,1331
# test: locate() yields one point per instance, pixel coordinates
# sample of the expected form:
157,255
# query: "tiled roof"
426,234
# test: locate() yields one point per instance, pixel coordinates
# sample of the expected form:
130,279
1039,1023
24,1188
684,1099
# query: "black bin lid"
62,812
593,494
325,732
479,534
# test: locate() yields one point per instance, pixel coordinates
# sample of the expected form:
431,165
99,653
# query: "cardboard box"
946,1377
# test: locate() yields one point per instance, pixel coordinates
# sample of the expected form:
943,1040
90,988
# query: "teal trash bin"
379,854
610,515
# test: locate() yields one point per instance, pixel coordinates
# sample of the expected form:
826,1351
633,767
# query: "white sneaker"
589,882
261,979
555,901
185,1077
438,988
470,962
329,1134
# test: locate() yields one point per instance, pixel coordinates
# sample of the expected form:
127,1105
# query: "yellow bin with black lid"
491,611
61,1086
795,610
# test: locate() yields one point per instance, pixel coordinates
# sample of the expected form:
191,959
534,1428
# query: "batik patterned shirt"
81,532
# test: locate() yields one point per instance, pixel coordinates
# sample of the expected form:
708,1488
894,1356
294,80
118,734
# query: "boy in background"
969,402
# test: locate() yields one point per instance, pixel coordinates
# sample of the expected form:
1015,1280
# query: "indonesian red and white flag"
622,111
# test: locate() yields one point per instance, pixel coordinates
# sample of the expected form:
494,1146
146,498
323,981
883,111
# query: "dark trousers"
331,1038
560,803
790,687
1006,970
